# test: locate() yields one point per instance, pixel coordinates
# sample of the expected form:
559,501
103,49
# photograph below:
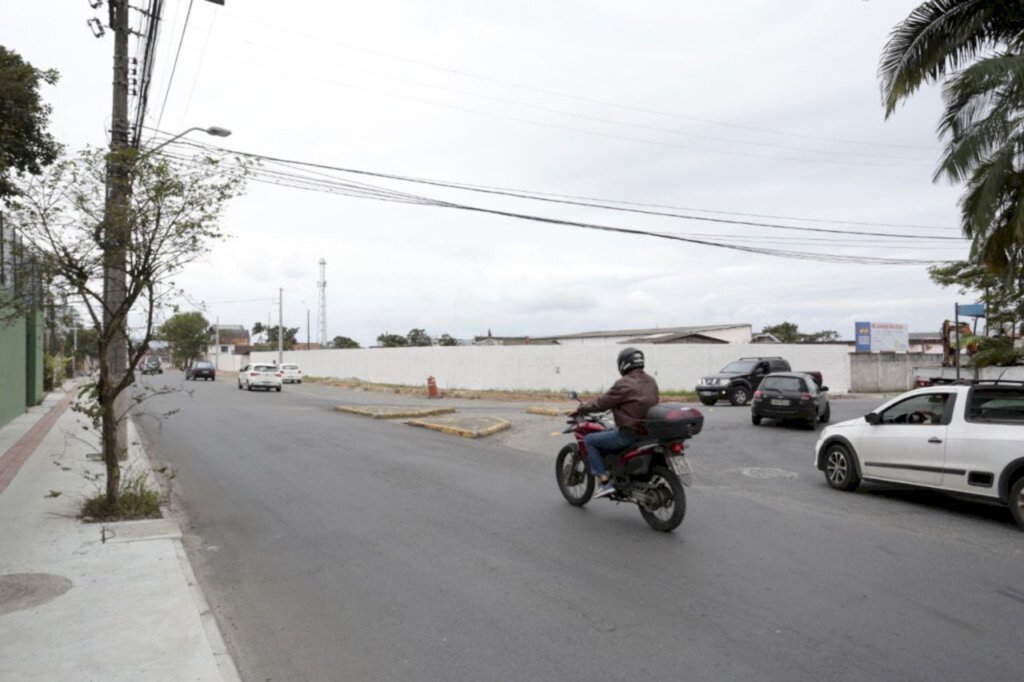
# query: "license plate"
780,402
682,468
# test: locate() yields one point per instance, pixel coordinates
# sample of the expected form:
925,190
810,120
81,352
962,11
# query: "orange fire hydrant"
432,388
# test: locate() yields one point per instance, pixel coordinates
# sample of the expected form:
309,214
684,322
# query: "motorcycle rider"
629,398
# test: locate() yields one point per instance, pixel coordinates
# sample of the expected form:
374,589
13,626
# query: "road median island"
548,411
393,412
466,427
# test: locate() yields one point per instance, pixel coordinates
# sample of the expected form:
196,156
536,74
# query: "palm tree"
978,44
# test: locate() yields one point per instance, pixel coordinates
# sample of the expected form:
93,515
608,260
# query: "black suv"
791,395
738,380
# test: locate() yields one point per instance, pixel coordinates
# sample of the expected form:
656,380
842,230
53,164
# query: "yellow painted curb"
394,413
501,425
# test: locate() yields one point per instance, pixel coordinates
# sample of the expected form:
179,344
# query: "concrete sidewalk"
78,601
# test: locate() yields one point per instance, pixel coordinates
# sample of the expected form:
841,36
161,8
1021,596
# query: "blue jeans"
601,442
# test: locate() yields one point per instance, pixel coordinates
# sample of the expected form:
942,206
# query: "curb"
214,637
394,412
501,425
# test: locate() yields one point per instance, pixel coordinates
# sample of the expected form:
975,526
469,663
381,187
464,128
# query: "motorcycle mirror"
573,395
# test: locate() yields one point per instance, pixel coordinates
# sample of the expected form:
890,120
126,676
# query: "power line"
510,193
591,100
783,253
174,68
307,57
583,131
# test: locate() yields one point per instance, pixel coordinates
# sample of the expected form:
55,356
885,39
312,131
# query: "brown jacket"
628,399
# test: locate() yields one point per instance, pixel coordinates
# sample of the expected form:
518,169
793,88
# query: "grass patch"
135,501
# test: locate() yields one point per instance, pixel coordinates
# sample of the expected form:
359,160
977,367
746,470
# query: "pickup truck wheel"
840,468
826,415
1017,502
739,395
708,401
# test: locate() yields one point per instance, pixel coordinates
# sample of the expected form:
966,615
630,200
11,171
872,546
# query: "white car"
964,439
292,373
262,376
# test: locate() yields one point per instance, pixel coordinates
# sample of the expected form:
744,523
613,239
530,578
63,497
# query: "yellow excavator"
950,331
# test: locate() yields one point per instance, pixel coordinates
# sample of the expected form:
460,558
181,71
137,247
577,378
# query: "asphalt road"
335,547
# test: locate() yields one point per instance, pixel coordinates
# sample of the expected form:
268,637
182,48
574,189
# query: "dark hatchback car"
786,396
201,369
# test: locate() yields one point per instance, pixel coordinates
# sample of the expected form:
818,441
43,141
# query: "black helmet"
630,358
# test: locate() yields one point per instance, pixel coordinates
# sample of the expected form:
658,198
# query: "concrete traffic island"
467,427
548,411
392,412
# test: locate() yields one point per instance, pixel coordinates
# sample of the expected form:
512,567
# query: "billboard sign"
882,337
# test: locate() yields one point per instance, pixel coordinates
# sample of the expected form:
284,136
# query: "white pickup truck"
964,439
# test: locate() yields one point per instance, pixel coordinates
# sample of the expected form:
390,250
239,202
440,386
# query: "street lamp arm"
216,131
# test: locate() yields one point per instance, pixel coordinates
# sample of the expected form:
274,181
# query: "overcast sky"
747,106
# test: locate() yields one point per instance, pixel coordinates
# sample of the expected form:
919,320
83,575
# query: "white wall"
580,368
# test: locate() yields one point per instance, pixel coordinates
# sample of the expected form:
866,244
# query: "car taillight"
280,374
758,394
805,396
676,447
254,374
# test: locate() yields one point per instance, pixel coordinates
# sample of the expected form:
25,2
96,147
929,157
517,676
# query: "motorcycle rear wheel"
667,517
574,479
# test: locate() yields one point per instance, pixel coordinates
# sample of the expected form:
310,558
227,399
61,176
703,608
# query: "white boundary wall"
555,368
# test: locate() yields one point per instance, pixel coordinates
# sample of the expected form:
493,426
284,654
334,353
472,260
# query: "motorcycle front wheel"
574,479
670,509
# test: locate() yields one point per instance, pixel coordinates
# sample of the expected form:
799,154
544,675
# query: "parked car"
151,365
738,380
201,369
791,395
291,373
262,376
965,439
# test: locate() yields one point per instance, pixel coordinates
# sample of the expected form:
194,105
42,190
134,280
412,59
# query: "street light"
216,131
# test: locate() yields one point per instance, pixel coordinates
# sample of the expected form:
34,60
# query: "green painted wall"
34,365
13,384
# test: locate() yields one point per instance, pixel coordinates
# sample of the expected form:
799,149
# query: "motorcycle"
651,473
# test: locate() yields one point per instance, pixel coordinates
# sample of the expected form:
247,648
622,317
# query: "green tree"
975,48
25,144
344,342
392,340
447,340
188,335
290,334
1003,294
257,329
418,337
172,215
788,332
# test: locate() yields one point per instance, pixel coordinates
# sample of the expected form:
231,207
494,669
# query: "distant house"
233,338
718,333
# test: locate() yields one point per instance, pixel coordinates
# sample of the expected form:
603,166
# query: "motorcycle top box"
673,420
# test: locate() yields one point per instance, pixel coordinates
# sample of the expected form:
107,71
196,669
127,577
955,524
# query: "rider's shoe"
605,490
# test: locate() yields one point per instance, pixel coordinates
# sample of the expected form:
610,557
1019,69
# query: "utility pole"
307,329
280,325
115,242
216,339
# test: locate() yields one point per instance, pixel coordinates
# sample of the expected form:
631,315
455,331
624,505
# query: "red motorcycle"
650,473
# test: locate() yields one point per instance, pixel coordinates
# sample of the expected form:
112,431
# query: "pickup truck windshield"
738,367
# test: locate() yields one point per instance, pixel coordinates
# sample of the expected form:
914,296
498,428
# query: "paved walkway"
83,601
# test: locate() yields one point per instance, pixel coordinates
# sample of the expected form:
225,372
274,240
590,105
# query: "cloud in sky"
747,106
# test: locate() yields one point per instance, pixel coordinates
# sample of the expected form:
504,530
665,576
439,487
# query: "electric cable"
174,67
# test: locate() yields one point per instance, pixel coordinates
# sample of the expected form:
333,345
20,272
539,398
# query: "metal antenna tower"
321,315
